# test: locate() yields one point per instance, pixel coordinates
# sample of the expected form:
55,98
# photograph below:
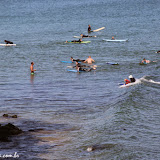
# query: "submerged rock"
8,130
7,115
14,116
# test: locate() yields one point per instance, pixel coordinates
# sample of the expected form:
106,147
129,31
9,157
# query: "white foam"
150,81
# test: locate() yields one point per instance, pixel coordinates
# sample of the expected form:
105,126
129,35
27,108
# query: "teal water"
87,109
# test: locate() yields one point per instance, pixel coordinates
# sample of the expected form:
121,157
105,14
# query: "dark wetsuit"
78,60
85,36
132,80
8,42
77,41
89,29
83,69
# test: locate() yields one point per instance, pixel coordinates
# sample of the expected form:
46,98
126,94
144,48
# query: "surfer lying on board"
144,61
158,51
89,60
31,67
80,67
89,28
80,40
78,60
132,79
83,36
8,42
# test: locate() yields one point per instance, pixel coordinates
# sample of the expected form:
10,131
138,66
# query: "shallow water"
76,110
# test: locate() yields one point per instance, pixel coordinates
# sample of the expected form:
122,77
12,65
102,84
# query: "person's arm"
86,60
93,60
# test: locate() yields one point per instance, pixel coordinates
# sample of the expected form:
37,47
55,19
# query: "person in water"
80,67
145,61
158,51
8,42
132,79
83,36
113,38
89,60
126,81
79,60
31,67
80,40
89,28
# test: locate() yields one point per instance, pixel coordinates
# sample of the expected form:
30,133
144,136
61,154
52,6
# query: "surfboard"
116,40
70,61
66,61
71,70
99,29
111,63
78,42
142,63
7,44
84,37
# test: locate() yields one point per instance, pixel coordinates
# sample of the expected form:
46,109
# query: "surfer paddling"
144,61
78,60
86,36
8,42
80,40
158,51
132,80
89,60
31,67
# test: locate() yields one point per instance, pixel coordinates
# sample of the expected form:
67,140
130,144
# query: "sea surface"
63,113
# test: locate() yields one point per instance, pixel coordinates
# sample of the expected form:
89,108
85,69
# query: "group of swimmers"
80,67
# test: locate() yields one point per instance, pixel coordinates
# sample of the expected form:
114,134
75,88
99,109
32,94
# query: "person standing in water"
31,67
89,60
89,28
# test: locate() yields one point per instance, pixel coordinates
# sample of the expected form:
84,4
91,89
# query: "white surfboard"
7,44
116,40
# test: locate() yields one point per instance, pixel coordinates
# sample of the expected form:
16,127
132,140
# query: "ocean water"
71,111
